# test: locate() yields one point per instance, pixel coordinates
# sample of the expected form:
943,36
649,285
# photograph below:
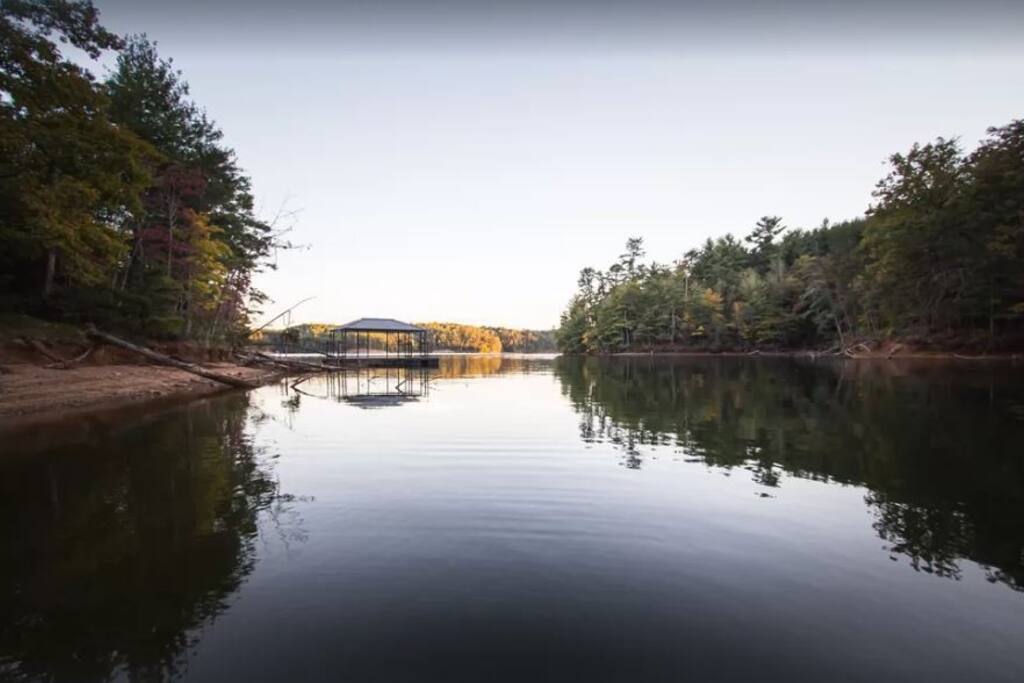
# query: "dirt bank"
107,378
30,394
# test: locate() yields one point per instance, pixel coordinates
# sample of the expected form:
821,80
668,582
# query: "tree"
921,252
939,258
68,176
196,178
996,205
762,239
634,252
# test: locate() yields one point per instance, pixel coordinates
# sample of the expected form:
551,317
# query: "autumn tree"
69,177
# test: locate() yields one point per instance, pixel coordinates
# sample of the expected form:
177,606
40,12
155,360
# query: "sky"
462,161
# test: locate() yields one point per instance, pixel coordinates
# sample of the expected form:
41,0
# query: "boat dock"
379,343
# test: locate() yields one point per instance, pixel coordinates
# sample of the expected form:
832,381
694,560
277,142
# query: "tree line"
120,203
483,339
442,337
937,260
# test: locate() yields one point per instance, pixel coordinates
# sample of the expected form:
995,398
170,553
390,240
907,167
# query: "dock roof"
378,325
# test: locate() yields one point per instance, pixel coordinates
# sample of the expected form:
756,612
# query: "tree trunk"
51,269
839,330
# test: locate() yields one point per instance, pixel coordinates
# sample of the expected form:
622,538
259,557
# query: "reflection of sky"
488,151
480,513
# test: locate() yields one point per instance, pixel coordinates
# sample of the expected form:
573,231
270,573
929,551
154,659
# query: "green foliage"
195,243
939,258
68,175
118,201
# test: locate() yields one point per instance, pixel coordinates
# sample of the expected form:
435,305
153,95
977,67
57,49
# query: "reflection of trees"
112,553
938,447
457,366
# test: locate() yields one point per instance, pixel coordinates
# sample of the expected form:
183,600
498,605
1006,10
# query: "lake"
531,519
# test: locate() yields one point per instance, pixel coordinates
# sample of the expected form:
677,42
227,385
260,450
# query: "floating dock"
379,343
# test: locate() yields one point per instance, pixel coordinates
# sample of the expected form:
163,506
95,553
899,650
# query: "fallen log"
38,347
167,360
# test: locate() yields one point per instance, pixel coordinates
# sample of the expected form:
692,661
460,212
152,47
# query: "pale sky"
463,161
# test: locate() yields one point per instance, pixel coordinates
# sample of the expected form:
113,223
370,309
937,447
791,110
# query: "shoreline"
34,397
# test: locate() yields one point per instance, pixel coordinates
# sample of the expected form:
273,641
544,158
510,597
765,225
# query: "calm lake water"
531,520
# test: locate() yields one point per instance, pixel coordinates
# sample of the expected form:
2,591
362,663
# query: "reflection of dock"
378,387
380,361
379,343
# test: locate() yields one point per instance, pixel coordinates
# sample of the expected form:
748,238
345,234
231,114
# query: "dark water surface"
532,520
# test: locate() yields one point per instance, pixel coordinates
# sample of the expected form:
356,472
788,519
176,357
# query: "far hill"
444,337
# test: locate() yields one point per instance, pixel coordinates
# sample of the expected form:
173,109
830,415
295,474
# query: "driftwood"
67,364
38,347
167,360
893,351
850,353
293,363
58,362
250,361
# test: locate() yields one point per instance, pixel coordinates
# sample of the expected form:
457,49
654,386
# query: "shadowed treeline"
112,552
120,203
936,447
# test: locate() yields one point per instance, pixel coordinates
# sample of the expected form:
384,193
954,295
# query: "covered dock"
379,343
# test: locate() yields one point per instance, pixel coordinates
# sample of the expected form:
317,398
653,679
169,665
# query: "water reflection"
365,388
938,448
371,388
467,366
484,532
112,552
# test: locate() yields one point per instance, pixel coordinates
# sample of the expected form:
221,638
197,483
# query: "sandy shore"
30,394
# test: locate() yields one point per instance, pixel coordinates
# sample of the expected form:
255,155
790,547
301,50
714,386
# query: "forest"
477,339
443,337
937,261
120,204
